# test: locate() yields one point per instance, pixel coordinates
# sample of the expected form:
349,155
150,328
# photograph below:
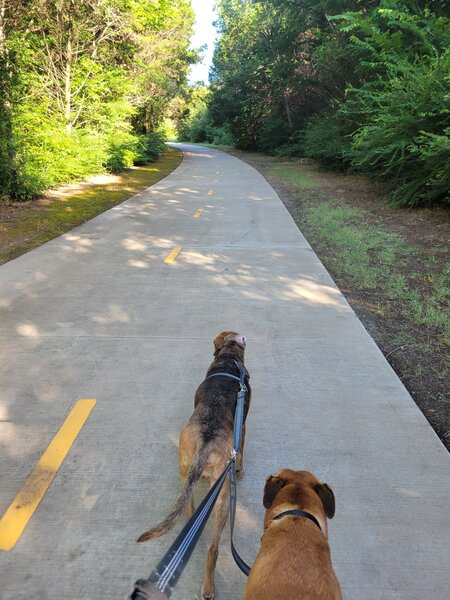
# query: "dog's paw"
206,595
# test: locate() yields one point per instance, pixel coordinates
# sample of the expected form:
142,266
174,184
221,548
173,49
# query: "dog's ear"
271,489
218,344
326,494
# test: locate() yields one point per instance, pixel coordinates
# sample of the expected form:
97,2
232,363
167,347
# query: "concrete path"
98,313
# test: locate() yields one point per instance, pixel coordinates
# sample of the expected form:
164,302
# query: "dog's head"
289,489
229,340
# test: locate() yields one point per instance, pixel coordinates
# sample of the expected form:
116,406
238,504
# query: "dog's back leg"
190,508
187,449
220,517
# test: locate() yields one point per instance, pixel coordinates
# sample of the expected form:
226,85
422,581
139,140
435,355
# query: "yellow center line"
27,500
170,258
198,213
210,192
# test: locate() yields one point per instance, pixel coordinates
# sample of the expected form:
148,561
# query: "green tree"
86,85
354,83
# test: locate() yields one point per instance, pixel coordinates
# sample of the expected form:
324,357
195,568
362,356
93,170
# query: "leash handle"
145,590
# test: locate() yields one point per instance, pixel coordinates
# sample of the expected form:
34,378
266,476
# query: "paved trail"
98,313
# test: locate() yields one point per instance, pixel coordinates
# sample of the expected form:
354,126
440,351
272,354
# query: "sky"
204,33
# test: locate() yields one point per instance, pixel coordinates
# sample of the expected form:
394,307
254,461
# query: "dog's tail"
183,499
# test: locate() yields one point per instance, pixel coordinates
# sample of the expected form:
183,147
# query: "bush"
155,145
326,141
222,136
121,150
273,133
49,155
406,139
294,147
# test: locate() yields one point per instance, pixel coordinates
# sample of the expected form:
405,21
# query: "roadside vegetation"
26,225
86,87
358,85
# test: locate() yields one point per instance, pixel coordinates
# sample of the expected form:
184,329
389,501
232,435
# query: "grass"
370,255
361,251
24,226
294,175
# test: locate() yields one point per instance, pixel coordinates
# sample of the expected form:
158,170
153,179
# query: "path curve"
100,313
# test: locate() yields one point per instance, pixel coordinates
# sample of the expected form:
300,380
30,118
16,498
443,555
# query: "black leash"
165,576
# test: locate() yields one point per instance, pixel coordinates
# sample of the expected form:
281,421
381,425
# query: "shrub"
155,145
47,155
294,147
121,151
326,141
406,139
272,133
222,136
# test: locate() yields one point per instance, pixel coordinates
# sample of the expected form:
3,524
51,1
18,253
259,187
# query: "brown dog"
206,443
294,560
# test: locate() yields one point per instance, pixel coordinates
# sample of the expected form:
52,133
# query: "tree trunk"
288,109
68,71
7,153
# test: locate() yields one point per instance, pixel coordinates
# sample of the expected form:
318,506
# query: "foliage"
355,84
85,86
406,141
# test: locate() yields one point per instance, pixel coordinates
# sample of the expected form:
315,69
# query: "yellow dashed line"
210,192
27,500
198,213
170,258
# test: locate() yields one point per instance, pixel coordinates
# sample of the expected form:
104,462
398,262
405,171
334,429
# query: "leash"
165,576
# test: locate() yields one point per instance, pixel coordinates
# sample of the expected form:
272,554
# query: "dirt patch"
417,352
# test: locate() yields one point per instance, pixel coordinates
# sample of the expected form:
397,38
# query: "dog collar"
298,513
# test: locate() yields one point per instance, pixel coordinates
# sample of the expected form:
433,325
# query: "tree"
83,80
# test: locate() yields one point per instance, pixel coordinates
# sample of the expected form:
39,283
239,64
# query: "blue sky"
204,33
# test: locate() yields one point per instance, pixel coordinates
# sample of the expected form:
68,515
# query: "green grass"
361,251
293,174
374,258
37,223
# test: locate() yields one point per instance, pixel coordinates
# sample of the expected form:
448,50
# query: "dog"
294,560
206,443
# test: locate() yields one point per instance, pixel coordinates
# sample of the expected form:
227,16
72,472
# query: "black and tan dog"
206,443
294,561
